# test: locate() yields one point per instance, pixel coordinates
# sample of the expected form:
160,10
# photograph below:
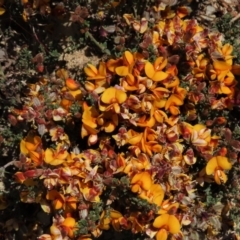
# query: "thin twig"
99,45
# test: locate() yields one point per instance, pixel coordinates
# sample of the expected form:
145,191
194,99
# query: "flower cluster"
144,121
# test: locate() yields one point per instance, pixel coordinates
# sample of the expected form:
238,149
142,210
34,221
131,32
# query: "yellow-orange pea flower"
199,134
108,121
73,88
29,146
141,181
154,71
114,218
216,166
166,223
68,225
56,156
90,194
145,142
96,74
142,162
111,99
154,195
126,65
30,143
200,70
89,117
89,124
226,52
220,70
130,82
175,100
224,86
57,199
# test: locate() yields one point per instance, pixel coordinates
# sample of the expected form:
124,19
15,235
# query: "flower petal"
160,63
159,76
23,148
173,101
223,163
128,58
108,95
90,70
136,178
135,139
162,234
160,221
121,96
173,224
211,165
146,181
102,69
149,70
112,64
69,222
122,71
72,84
221,66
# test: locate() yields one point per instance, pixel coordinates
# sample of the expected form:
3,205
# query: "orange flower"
89,117
67,225
30,143
146,142
104,221
45,237
226,52
111,99
114,218
142,162
175,100
96,74
108,121
154,71
220,70
172,80
225,85
200,70
199,134
216,165
130,82
56,156
57,199
154,195
141,181
71,84
127,64
166,223
89,124
149,143
31,147
89,193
